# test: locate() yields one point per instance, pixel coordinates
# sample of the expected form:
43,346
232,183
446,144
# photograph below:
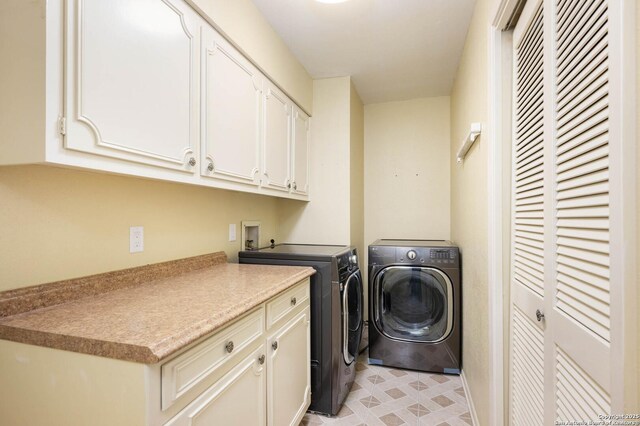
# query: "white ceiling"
393,49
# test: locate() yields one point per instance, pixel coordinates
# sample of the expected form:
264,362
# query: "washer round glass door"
413,303
352,301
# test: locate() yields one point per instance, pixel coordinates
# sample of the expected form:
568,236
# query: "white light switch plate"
232,232
136,239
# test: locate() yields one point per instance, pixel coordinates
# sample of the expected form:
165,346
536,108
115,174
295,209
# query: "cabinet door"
236,399
276,146
300,165
288,372
231,94
131,87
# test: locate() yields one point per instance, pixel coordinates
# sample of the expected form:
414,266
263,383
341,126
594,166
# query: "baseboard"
472,407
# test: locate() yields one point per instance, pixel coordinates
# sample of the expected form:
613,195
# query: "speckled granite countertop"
142,321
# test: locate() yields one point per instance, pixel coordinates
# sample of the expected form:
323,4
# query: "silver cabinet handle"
289,185
274,345
295,185
210,167
192,161
294,301
229,346
539,315
261,360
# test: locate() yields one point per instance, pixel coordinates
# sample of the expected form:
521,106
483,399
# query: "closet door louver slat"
528,371
581,206
529,182
528,188
582,177
579,396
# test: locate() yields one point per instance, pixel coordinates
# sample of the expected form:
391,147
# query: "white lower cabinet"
254,371
268,384
288,373
236,399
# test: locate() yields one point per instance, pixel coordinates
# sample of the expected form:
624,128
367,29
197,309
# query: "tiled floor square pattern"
383,396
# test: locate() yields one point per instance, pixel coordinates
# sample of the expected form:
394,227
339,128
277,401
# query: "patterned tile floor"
392,397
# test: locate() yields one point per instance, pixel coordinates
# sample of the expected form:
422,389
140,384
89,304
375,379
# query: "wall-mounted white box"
250,234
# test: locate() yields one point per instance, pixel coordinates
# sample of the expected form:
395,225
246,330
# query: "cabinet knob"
295,185
210,167
539,315
229,346
274,345
294,301
192,161
289,185
261,360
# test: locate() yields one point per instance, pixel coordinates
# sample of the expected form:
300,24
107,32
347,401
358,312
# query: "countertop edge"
83,345
148,354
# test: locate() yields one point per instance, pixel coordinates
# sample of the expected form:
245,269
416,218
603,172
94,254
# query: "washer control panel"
444,254
425,256
444,257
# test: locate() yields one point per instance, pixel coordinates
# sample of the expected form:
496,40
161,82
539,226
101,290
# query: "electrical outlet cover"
136,239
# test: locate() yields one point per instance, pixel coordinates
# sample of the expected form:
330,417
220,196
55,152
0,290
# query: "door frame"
499,185
499,214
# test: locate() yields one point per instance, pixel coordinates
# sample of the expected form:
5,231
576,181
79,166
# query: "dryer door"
352,306
413,303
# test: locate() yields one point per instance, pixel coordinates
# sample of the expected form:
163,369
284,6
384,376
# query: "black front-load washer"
336,315
415,305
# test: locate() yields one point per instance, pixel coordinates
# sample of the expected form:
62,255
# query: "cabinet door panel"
276,143
232,90
288,371
236,399
131,80
301,133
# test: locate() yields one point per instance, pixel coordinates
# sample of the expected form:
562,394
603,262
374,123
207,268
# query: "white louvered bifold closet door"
527,228
580,315
562,365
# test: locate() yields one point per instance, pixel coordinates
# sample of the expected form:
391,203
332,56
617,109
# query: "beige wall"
469,103
356,158
326,218
22,116
406,155
241,21
407,169
58,223
638,189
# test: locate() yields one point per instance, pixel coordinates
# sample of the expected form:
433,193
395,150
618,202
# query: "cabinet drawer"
279,307
193,366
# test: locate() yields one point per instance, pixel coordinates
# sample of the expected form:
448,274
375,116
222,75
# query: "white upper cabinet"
146,88
300,165
231,98
132,81
276,147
